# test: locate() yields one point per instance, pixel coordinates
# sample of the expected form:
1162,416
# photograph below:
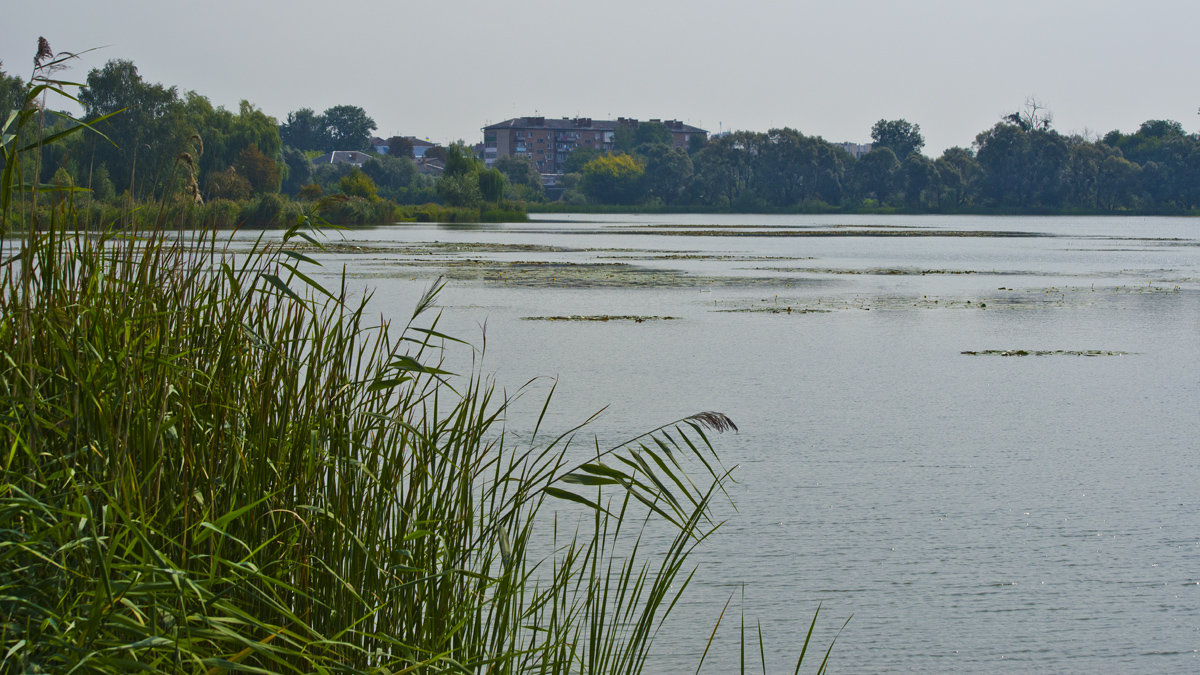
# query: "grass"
213,463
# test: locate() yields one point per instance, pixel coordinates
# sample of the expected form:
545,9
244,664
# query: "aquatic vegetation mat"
602,317
1045,352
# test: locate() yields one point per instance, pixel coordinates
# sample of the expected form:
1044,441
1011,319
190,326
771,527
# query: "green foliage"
614,179
342,127
399,146
459,184
668,172
101,185
392,175
579,158
219,213
12,93
459,190
461,160
491,185
305,130
959,174
358,184
227,184
299,170
521,171
140,137
310,192
261,171
265,210
356,210
652,133
921,180
877,174
901,136
348,128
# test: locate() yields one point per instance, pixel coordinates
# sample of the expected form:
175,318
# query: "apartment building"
548,141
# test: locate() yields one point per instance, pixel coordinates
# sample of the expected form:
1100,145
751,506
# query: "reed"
212,462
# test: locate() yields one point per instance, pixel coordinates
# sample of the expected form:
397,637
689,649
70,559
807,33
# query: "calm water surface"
973,513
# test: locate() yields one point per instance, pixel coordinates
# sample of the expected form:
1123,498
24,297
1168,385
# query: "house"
420,146
351,157
547,142
430,166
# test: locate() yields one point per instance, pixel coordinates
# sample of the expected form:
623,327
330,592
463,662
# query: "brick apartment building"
548,141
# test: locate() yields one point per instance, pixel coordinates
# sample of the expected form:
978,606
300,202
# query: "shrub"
263,211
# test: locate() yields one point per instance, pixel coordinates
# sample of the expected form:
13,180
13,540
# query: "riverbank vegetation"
260,171
217,463
1019,166
206,166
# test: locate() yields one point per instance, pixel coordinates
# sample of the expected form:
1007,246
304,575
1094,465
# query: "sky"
443,69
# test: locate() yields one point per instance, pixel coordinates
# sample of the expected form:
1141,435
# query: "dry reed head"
44,52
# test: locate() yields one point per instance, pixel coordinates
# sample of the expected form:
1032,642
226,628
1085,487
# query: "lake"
1030,506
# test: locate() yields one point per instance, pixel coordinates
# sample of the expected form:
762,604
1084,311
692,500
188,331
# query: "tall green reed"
212,462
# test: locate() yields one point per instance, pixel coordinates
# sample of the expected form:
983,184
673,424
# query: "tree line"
1020,164
158,142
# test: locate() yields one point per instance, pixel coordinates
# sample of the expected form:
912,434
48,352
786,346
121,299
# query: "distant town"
545,142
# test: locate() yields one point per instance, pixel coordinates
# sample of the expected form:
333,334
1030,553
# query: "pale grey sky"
443,69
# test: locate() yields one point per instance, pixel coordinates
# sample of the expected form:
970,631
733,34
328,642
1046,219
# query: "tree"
459,190
524,180
650,133
461,160
878,174
625,136
399,146
723,169
299,170
782,165
224,136
1024,168
306,130
921,180
1033,117
579,157
901,136
12,92
227,184
358,184
139,139
614,179
391,174
959,174
668,172
459,182
491,185
260,170
791,168
1118,182
521,171
101,185
348,127
1003,155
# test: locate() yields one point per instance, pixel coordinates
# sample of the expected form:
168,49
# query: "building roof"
569,123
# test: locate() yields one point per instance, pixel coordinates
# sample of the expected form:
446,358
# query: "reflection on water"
972,513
